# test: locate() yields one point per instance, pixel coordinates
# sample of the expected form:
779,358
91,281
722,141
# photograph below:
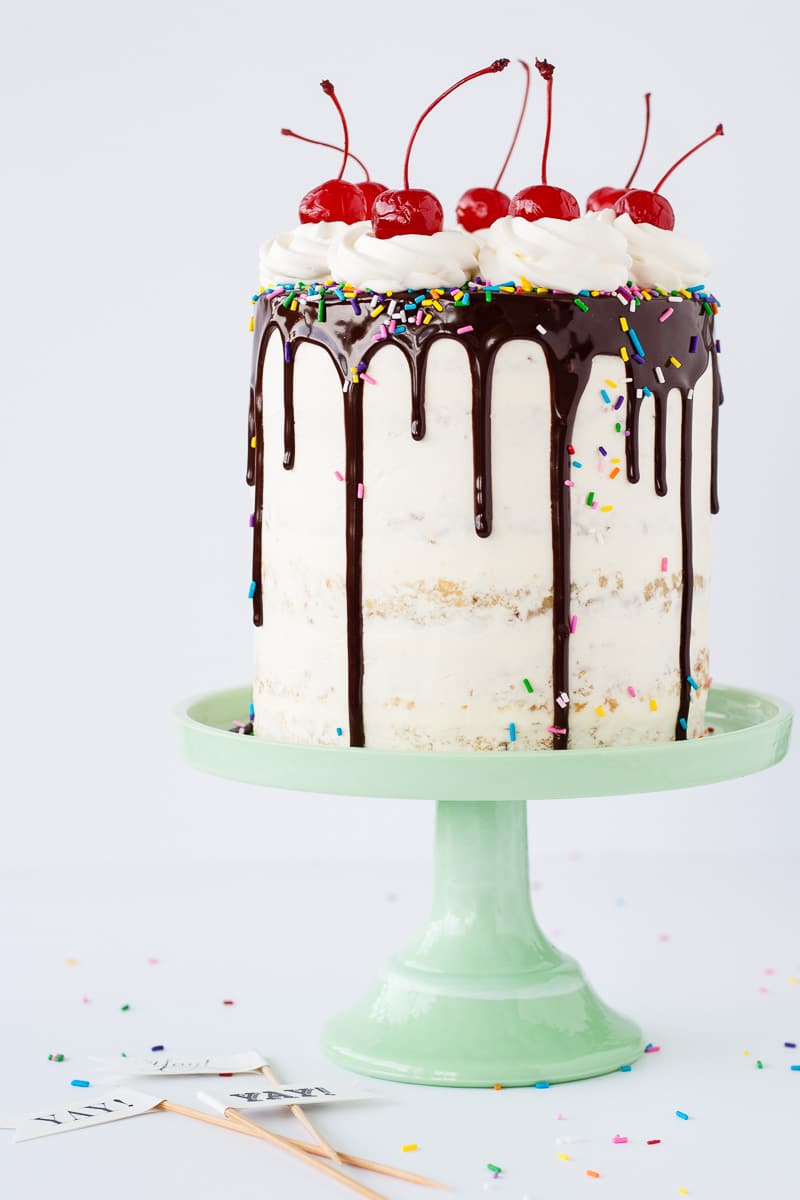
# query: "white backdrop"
143,168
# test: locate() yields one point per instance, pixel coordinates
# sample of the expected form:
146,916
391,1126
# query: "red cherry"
480,206
542,200
334,200
650,207
607,197
413,210
368,187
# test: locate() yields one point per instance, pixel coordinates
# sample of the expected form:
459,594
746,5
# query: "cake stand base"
481,996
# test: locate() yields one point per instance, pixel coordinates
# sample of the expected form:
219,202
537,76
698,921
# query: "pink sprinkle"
464,329
663,937
595,504
632,691
769,970
153,962
664,564
569,483
420,315
555,729
360,491
392,325
618,1139
560,1117
573,625
367,378
339,476
666,314
85,999
276,292
652,1049
763,990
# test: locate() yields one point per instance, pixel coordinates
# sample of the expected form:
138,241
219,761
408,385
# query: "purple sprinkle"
155,1049
252,520
627,433
693,344
603,451
623,291
619,403
356,307
287,352
637,358
719,348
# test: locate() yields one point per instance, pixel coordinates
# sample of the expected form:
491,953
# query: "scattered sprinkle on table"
498,1087
410,1146
155,1049
627,1067
79,1083
227,1003
563,1157
124,1008
683,1116
492,1167
55,1058
653,1142
71,962
593,1174
619,1140
542,1084
790,1045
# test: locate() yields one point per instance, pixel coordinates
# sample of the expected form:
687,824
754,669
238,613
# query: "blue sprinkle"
338,731
252,711
625,1068
605,395
682,722
632,334
287,352
251,591
410,307
418,299
698,287
339,293
683,1116
512,732
541,1085
795,1067
585,292
400,329
79,1083
155,1049
693,683
575,463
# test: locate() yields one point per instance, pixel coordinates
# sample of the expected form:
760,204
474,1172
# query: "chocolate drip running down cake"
482,509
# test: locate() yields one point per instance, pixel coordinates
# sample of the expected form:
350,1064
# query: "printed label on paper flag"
279,1095
176,1064
113,1106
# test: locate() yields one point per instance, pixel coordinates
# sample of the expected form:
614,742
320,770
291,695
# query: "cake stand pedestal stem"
481,996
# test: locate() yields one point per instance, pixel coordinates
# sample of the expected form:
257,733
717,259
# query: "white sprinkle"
659,375
622,300
540,329
690,393
639,393
633,306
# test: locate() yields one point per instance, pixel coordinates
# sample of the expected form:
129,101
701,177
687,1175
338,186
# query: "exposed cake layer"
498,562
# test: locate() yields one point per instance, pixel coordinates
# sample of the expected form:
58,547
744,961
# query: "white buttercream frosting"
409,260
661,257
588,252
301,254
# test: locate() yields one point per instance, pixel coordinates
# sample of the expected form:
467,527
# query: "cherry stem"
546,70
718,132
644,139
507,159
328,145
328,89
499,64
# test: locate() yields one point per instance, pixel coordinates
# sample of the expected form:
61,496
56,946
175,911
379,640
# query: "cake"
484,475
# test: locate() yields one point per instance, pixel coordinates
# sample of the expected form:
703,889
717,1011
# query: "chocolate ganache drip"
660,356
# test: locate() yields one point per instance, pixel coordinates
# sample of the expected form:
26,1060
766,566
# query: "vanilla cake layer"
460,520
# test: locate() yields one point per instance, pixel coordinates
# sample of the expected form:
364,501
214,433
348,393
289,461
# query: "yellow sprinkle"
540,290
426,320
252,324
434,292
623,324
792,979
647,295
252,443
437,306
653,706
293,307
674,360
595,293
426,303
601,712
686,295
606,507
563,1157
411,1146
261,291
623,353
616,460
508,289
390,293
376,312
458,295
683,1192
746,1053
611,382
527,286
71,962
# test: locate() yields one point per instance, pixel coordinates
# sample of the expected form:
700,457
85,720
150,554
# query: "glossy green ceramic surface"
480,996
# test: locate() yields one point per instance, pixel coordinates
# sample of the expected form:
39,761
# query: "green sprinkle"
124,1007
55,1058
590,499
580,304
759,1064
526,683
492,1167
287,300
618,427
707,308
321,309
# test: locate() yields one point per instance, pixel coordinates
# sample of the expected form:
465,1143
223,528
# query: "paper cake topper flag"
279,1097
199,1064
113,1106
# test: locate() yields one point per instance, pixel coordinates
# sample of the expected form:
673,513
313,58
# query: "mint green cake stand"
481,996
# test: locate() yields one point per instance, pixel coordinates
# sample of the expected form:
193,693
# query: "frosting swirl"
301,254
588,252
662,258
409,260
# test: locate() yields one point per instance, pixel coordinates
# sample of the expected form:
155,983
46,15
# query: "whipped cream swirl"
588,252
661,257
301,254
409,260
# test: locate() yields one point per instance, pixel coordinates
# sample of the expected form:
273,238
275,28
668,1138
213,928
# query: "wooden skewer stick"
350,1160
235,1118
297,1112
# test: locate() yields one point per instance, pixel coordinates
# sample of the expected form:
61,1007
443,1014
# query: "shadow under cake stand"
481,996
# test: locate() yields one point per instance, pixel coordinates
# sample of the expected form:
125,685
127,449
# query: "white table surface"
703,951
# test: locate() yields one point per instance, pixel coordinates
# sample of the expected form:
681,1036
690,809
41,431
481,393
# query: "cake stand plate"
481,996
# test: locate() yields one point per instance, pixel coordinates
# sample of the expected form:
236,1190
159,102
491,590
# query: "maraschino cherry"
368,187
650,207
606,197
336,199
481,206
542,200
413,210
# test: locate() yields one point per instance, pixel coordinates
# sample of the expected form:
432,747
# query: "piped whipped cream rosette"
301,254
569,256
412,260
